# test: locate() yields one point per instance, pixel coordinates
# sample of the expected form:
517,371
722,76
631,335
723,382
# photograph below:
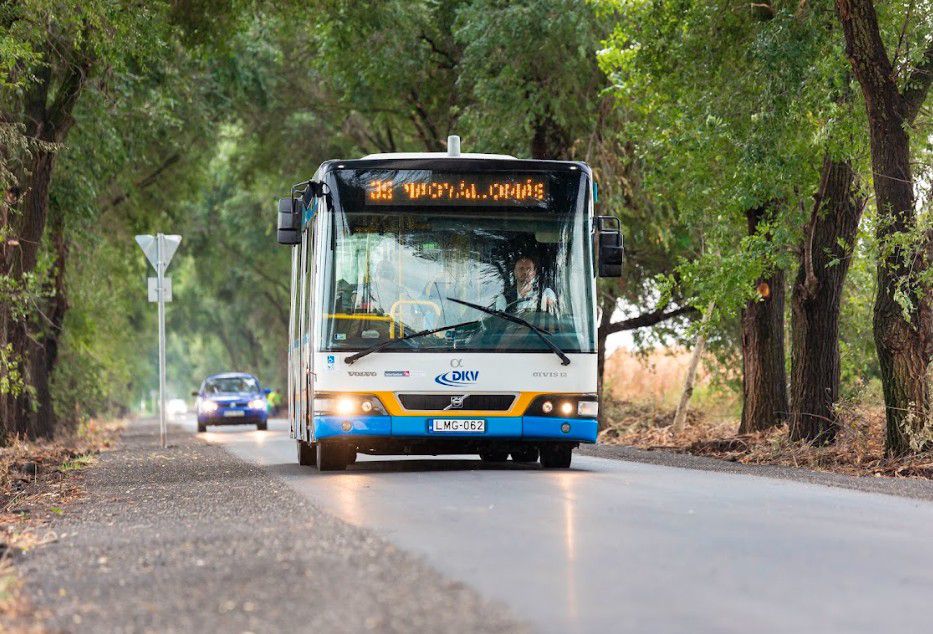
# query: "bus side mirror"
288,230
610,249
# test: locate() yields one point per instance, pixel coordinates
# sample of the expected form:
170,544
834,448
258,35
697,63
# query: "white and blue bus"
445,304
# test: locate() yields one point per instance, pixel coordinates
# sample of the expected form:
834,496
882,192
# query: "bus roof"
434,155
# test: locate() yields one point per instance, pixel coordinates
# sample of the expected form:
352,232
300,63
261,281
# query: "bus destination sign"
459,189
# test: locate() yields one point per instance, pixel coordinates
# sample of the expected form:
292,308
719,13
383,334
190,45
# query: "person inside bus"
530,293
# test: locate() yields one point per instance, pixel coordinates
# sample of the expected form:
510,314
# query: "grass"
641,396
77,463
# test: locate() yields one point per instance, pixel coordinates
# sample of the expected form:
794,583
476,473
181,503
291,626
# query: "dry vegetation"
642,395
37,480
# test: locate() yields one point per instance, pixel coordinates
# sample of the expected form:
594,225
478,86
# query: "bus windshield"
397,265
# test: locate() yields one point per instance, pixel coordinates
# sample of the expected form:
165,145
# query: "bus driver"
530,296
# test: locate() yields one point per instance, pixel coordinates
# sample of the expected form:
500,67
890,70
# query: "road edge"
913,488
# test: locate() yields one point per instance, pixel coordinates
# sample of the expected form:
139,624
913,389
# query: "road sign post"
159,250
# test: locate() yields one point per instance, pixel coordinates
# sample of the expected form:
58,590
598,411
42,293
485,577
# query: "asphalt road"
612,545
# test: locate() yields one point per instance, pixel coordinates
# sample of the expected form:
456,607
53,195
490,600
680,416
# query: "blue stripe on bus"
518,427
545,428
327,426
496,427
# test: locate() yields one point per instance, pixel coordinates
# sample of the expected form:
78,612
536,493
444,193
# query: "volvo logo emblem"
456,401
456,363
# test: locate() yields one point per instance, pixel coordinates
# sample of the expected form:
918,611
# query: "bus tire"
556,456
493,456
331,456
525,454
307,456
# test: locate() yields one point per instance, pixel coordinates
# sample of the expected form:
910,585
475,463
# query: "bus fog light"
366,406
565,428
588,409
346,425
566,408
547,407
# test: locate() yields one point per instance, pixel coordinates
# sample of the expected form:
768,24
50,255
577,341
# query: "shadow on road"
423,465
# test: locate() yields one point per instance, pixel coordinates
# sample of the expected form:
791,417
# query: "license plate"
473,425
233,413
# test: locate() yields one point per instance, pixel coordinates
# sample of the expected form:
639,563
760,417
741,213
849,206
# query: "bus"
445,303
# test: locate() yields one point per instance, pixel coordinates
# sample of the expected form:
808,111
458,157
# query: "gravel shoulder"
916,488
193,539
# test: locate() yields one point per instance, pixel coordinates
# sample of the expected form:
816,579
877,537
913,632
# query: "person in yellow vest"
273,402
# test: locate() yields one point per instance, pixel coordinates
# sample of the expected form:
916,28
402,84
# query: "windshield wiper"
379,346
545,337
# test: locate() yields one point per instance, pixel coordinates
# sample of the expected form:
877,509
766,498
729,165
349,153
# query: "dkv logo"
456,378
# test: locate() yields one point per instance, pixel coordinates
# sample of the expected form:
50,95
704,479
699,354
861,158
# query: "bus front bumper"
516,428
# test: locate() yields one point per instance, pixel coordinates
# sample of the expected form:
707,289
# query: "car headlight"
208,406
348,405
257,403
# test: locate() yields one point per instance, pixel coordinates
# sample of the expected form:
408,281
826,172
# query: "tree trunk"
19,411
549,141
48,117
45,351
764,381
826,252
903,330
607,306
680,416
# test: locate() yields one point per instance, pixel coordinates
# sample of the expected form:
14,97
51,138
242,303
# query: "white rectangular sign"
154,289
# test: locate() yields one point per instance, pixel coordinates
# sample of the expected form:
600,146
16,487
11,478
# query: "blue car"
232,398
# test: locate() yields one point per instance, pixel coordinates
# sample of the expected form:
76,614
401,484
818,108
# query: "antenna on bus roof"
453,145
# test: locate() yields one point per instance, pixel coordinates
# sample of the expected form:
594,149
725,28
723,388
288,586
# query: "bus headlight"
564,406
348,405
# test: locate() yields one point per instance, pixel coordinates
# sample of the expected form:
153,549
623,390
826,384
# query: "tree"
826,253
58,68
764,381
903,315
736,150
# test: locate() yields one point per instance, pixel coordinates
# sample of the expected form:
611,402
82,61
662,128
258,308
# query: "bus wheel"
493,456
307,456
331,456
556,456
525,454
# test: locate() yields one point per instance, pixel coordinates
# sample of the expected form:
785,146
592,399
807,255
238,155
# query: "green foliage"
730,110
531,71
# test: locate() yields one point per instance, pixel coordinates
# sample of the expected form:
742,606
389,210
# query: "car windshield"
231,385
397,269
